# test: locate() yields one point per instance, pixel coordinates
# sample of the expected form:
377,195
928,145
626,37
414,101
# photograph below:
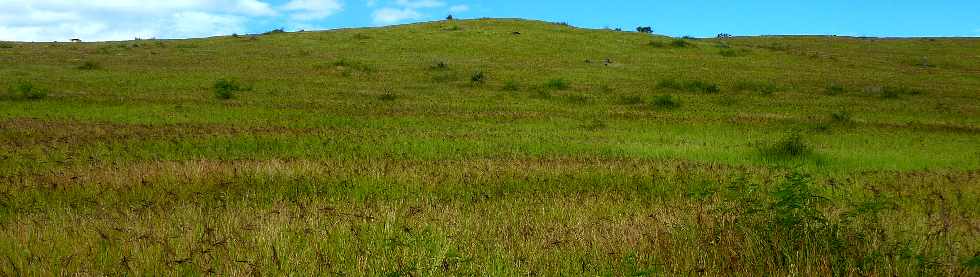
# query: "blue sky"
60,20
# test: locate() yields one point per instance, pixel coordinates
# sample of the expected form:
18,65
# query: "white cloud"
407,10
459,8
415,4
97,20
312,9
387,16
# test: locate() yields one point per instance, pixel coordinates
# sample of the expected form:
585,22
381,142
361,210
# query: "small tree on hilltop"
645,29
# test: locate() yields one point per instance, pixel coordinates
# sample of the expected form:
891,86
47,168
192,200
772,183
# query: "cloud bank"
99,20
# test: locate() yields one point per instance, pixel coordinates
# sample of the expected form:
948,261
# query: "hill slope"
492,146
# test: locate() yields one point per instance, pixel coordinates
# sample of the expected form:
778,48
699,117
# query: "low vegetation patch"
478,77
791,146
841,117
764,87
557,84
835,89
630,100
6,45
26,91
388,96
346,67
893,92
511,85
666,102
225,89
681,43
89,65
689,85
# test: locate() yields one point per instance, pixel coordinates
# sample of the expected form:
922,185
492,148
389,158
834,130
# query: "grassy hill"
491,147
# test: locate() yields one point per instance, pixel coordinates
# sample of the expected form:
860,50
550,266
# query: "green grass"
381,151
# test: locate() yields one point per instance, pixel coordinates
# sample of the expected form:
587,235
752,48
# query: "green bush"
27,91
666,102
227,88
557,84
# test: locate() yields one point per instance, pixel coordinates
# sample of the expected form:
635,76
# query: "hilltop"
491,146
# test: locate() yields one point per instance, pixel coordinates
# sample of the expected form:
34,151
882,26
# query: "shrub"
692,86
791,146
226,88
89,65
557,84
6,45
511,85
450,17
478,77
645,29
27,91
666,102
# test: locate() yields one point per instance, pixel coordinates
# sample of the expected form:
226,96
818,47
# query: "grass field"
464,148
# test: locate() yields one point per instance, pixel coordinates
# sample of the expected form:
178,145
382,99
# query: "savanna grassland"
491,147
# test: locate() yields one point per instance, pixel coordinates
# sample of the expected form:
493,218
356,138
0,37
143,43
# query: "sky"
101,20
